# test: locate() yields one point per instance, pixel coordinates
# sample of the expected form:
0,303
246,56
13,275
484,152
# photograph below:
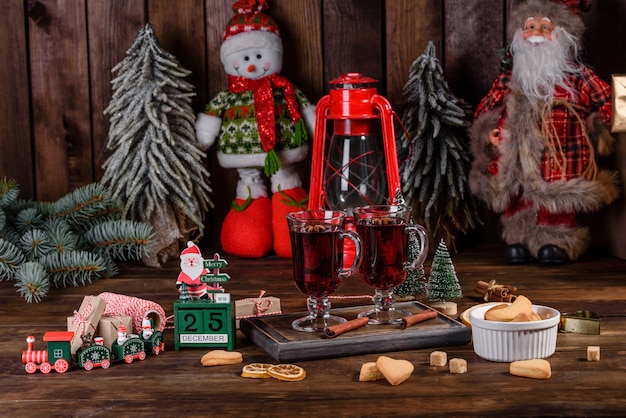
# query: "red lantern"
358,164
348,170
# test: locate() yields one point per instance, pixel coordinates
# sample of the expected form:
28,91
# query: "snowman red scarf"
264,108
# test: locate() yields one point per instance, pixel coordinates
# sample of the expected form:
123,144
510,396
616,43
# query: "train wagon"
95,355
131,349
154,344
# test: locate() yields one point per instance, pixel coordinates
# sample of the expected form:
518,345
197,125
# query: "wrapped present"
251,307
618,82
108,325
85,320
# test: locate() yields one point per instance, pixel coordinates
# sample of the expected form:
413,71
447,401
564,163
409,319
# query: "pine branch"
32,282
76,268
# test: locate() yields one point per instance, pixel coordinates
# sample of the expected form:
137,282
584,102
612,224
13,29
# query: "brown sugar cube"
438,358
593,353
458,365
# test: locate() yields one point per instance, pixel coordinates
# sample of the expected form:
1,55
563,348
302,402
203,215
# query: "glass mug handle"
347,272
423,250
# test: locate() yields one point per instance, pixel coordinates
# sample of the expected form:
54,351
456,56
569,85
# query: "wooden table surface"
176,384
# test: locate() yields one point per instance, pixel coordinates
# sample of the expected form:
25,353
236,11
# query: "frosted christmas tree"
433,151
156,168
443,283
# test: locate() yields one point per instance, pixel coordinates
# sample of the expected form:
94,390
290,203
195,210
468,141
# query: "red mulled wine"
385,252
317,258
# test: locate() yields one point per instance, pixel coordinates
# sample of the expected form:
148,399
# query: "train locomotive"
58,356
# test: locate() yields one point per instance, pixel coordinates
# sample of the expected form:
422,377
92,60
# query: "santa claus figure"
536,136
192,269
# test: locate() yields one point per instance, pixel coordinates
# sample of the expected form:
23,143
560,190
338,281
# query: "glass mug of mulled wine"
317,238
384,232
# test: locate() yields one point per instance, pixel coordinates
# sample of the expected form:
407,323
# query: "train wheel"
105,364
45,367
128,359
61,365
30,367
88,365
142,355
157,351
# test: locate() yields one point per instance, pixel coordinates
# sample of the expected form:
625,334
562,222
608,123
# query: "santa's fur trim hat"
192,249
250,28
563,13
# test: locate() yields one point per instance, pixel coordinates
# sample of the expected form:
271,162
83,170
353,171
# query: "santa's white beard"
192,271
540,67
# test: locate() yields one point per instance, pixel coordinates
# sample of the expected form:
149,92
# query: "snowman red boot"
247,228
287,196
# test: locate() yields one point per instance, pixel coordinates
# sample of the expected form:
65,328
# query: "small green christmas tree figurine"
415,284
443,284
184,294
156,169
433,151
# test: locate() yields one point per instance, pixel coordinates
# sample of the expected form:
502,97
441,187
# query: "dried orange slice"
256,370
287,372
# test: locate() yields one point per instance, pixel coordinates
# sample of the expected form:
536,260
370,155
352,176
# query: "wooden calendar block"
203,323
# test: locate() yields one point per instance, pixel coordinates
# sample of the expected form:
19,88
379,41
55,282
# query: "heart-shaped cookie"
395,371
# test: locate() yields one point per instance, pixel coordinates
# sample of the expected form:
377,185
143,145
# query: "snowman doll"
260,123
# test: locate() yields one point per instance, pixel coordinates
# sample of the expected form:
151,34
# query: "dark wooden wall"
56,58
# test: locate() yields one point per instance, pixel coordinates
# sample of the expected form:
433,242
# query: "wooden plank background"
57,57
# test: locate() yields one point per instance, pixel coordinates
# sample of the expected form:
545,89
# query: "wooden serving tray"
273,333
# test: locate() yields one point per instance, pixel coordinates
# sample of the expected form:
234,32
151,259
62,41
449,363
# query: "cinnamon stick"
335,330
407,321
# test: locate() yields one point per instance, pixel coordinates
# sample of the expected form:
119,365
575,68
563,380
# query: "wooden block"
438,358
203,323
446,308
593,353
458,365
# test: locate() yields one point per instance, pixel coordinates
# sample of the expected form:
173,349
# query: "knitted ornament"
262,120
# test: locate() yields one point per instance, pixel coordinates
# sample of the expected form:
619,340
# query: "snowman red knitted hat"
250,28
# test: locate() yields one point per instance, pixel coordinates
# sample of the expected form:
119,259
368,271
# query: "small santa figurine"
192,269
537,134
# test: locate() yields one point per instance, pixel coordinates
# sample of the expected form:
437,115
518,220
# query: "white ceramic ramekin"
512,341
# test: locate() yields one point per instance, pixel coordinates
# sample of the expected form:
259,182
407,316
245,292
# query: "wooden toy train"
58,356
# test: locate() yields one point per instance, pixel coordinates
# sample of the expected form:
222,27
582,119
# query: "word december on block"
202,323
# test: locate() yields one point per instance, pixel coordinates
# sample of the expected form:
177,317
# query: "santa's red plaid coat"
593,95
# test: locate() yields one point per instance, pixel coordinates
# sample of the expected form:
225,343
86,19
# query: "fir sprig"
433,151
32,282
76,268
44,244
